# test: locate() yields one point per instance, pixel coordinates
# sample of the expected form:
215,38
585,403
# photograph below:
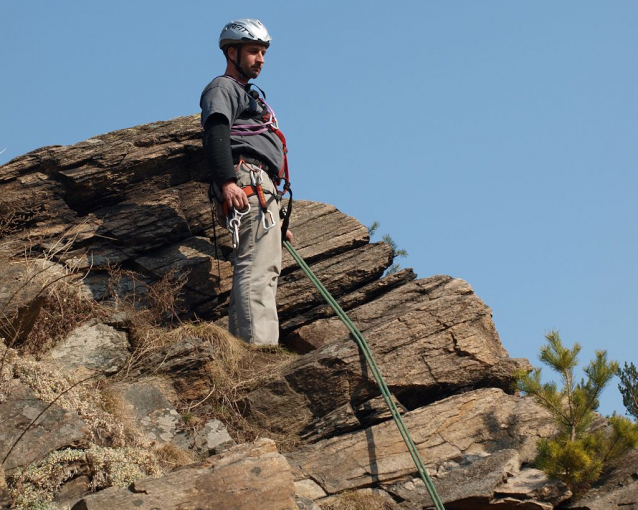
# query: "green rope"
385,392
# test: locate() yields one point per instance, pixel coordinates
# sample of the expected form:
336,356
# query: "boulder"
53,429
431,338
212,438
616,490
246,477
146,407
480,422
92,347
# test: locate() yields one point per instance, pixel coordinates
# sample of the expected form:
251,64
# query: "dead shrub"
16,215
148,304
151,310
46,304
63,310
170,457
238,369
35,486
359,500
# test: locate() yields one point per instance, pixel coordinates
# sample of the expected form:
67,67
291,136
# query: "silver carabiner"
233,223
256,177
264,221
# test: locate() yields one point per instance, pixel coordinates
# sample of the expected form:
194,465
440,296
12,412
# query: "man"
246,154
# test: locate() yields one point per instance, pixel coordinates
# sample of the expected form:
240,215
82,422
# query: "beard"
251,72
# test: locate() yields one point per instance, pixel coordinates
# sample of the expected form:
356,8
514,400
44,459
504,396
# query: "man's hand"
234,196
289,236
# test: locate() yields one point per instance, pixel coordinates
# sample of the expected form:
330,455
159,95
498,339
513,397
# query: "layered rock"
32,428
90,348
476,423
136,200
245,477
431,338
617,490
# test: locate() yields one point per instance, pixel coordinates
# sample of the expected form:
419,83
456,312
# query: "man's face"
252,59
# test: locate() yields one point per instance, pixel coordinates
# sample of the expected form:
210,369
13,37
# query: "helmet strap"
236,63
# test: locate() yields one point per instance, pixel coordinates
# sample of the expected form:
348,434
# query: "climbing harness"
233,216
385,392
268,123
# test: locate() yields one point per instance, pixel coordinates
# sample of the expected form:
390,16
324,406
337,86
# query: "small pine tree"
576,454
372,229
629,388
396,251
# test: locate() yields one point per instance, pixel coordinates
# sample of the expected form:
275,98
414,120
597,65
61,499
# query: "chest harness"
268,123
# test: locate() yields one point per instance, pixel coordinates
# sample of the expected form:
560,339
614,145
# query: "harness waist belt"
252,161
249,191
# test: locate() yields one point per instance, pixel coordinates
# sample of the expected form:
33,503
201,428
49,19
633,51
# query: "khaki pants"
252,312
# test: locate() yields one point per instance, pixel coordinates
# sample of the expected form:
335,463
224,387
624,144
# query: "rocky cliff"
120,389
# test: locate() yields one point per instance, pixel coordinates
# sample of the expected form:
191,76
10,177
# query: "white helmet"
242,31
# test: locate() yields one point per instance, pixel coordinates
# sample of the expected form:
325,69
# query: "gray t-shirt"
227,97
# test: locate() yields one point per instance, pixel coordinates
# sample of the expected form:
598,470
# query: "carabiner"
233,222
256,177
264,222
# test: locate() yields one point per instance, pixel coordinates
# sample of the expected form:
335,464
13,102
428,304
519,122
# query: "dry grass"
237,369
170,457
57,301
35,486
63,310
151,319
360,500
86,399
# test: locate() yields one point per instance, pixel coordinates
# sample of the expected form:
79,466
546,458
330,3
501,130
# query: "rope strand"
385,392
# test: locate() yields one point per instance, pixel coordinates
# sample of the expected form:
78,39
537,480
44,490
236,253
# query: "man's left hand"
289,236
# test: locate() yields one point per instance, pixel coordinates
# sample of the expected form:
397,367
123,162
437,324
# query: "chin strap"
238,61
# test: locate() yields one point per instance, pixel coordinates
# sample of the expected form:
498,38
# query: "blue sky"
495,141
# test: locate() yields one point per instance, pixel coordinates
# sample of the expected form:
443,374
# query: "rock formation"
133,203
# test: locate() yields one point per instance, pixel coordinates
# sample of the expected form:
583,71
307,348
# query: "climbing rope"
385,392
